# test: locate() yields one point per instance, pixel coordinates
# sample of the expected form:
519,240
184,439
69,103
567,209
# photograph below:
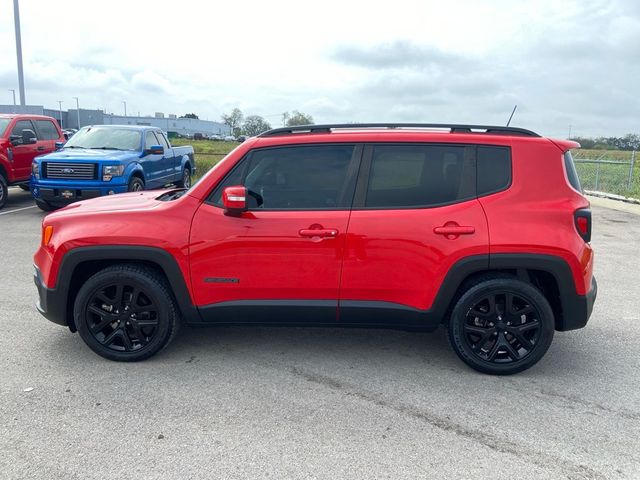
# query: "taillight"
583,223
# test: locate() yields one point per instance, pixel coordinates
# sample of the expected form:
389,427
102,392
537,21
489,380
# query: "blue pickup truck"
108,159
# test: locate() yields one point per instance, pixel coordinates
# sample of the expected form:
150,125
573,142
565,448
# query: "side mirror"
234,200
59,145
28,137
155,150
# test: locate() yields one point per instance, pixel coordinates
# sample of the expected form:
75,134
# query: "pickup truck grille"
74,171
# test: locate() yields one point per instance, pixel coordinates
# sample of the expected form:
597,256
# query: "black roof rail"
453,128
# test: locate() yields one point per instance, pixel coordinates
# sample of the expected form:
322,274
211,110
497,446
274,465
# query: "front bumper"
577,309
51,304
64,194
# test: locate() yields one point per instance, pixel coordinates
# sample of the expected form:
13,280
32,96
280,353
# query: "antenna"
511,116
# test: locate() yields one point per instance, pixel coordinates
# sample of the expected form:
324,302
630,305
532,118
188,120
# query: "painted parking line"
17,210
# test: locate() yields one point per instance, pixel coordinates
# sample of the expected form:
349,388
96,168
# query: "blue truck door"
152,164
173,172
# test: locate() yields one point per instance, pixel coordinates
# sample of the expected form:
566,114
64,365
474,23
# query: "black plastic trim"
283,312
576,309
54,302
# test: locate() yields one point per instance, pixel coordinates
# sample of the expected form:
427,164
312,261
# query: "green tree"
296,118
255,125
234,120
190,115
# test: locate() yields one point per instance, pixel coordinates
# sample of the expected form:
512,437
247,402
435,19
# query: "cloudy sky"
566,64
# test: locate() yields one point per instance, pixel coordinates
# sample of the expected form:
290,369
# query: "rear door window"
494,169
414,176
46,130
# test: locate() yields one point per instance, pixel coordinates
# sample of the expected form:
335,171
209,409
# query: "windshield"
4,122
106,138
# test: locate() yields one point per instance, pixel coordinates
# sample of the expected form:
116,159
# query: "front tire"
126,313
4,191
44,206
135,184
501,326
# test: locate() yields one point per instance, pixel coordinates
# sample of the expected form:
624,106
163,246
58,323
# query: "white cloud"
571,62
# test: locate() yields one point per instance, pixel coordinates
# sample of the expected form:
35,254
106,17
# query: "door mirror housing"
155,150
29,137
234,200
59,145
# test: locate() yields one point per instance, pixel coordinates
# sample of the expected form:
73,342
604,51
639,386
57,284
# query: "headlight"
110,171
35,170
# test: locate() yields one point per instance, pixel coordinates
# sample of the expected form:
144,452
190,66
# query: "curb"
612,196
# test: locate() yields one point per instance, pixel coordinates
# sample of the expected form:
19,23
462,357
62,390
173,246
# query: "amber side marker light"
46,235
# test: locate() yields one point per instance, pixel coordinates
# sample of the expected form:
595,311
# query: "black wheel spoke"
502,327
122,316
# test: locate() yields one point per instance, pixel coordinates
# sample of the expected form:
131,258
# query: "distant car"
198,136
243,138
229,138
69,132
215,137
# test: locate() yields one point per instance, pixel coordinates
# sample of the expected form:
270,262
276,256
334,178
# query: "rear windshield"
4,123
572,174
106,138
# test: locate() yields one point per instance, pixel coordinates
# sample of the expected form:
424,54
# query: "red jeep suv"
410,226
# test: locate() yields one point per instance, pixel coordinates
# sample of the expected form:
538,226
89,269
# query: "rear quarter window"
572,174
494,169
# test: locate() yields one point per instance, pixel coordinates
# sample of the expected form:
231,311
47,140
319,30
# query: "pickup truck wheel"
501,326
136,184
4,191
126,313
186,179
44,206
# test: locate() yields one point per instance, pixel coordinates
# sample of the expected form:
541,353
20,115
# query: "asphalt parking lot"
236,402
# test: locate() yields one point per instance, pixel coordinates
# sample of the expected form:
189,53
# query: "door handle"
319,232
451,230
40,148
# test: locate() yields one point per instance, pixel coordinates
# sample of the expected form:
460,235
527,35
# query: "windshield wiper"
105,148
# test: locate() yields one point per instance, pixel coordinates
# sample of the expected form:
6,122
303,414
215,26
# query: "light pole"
16,19
60,111
78,111
14,96
125,107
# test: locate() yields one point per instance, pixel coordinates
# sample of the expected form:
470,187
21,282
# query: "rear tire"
501,326
44,206
126,313
4,191
135,184
186,179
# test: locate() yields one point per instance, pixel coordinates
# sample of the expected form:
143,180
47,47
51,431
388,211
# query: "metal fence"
609,172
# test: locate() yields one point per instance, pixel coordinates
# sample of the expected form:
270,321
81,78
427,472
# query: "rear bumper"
577,309
50,303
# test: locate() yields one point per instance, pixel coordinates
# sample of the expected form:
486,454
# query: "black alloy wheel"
126,313
501,326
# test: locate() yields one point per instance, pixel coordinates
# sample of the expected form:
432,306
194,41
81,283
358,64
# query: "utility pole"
569,131
60,111
78,111
14,95
125,108
16,19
